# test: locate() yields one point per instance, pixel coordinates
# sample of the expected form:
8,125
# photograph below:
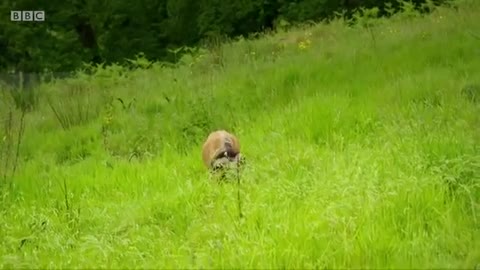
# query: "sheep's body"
221,149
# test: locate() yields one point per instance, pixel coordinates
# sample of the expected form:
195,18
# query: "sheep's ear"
216,165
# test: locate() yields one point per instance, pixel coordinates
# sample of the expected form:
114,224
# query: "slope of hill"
362,146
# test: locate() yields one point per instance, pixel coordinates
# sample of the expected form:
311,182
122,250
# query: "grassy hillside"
362,146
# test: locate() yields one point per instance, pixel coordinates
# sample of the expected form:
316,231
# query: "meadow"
362,145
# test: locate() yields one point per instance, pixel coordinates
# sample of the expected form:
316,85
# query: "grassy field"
362,145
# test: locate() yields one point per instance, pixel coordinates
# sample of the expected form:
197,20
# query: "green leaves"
89,31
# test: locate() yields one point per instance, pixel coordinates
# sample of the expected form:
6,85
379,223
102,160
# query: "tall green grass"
362,147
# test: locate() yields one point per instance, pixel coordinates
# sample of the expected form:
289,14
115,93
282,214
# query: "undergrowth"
362,141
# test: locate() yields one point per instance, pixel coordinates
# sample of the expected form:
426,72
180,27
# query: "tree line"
109,31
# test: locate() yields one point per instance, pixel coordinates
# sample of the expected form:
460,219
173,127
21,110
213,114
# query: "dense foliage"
77,31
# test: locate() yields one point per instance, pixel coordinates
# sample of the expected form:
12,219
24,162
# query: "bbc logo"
27,16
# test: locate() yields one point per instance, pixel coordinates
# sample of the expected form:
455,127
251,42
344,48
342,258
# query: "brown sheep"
221,150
